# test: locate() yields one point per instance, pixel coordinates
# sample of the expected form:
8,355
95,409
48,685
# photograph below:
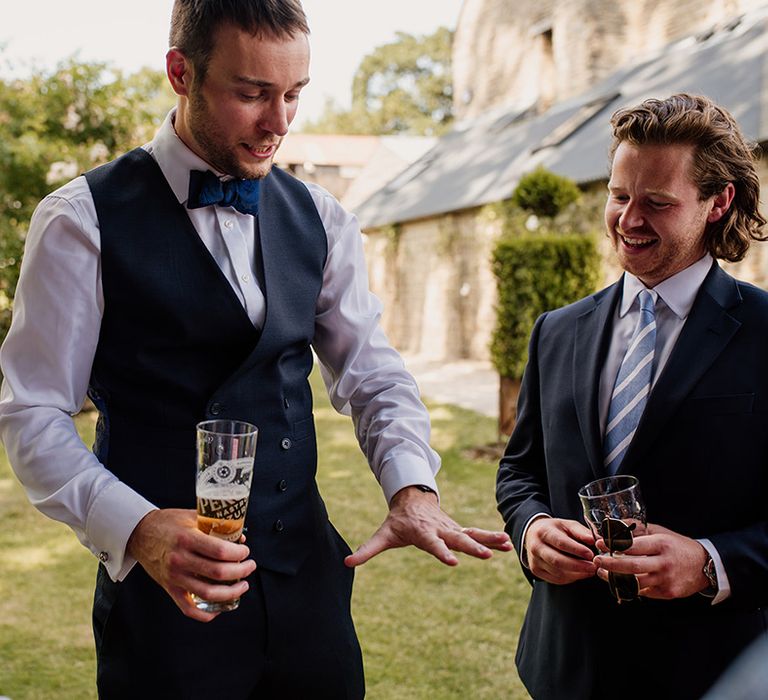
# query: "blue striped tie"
633,384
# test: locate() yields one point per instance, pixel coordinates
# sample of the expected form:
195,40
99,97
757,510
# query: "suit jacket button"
216,408
282,485
278,525
285,443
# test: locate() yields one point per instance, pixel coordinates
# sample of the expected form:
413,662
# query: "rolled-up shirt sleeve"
364,375
46,364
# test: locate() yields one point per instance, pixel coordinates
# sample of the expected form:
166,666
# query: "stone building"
517,54
522,104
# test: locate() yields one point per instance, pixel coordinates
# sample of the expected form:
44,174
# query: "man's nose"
630,216
275,119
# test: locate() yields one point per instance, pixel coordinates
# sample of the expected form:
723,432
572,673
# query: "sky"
130,35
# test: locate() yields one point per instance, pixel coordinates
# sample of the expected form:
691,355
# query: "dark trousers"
292,637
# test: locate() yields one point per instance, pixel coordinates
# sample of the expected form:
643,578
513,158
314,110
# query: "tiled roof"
482,162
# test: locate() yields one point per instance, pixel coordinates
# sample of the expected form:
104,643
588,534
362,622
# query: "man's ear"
721,203
179,71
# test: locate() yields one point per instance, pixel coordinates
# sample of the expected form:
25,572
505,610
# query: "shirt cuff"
523,551
406,470
723,584
111,520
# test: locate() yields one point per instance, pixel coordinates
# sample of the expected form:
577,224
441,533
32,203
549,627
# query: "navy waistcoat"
176,347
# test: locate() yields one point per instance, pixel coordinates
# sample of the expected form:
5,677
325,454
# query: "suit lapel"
593,332
706,333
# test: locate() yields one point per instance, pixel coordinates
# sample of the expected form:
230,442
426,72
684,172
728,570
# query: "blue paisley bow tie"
206,189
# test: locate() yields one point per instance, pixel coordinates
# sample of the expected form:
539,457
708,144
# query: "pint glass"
225,454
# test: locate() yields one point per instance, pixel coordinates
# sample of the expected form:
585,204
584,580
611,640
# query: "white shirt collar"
678,292
175,159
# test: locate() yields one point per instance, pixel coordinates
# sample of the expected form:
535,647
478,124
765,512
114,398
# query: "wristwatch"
710,572
425,489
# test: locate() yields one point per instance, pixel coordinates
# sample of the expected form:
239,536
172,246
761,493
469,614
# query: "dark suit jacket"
701,454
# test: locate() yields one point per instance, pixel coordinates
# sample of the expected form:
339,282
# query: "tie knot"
205,189
229,193
647,302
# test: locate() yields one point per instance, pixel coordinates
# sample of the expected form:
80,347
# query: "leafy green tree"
54,126
399,88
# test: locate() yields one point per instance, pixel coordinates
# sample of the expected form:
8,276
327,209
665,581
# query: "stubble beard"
215,151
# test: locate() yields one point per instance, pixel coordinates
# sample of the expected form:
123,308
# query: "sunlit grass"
46,587
428,631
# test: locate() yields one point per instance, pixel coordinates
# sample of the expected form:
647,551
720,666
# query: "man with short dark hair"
683,191
185,281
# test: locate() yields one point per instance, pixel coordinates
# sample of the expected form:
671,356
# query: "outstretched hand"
416,518
183,560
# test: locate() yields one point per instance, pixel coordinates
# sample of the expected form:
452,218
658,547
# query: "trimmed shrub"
536,273
543,193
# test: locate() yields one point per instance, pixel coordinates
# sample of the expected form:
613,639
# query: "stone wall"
535,52
494,58
754,267
434,278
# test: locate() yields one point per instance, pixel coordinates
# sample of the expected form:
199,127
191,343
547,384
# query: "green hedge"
536,273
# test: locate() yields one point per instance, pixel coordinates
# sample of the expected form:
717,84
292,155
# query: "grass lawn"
427,631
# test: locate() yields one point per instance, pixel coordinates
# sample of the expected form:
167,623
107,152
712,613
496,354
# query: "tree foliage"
56,125
403,87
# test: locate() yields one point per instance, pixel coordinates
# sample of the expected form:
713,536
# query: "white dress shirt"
47,356
674,298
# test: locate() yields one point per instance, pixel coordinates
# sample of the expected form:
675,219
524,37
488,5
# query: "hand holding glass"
615,511
225,454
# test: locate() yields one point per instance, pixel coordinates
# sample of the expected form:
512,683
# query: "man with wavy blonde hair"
686,415
720,155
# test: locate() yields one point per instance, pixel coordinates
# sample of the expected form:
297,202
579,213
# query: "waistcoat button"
216,408
285,443
278,525
282,485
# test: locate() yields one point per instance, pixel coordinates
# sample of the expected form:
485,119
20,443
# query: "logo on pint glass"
222,509
227,471
222,497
